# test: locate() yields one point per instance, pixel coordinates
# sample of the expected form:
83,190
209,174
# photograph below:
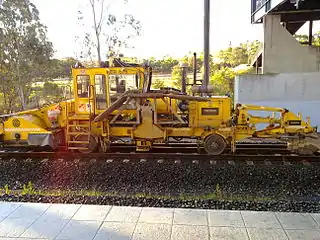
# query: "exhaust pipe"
184,67
194,68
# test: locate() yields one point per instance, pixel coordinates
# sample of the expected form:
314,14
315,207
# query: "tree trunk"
20,88
97,27
22,98
98,49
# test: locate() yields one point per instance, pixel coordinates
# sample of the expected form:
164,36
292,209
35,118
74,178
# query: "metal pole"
310,33
206,42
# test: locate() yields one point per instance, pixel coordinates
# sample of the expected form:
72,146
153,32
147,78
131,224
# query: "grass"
28,189
6,189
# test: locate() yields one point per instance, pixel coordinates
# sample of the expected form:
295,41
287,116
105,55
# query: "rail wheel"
214,144
92,146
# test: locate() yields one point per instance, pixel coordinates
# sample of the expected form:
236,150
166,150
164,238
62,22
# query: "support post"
310,32
206,42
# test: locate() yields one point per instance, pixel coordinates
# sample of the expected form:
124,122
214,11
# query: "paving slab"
23,238
316,217
14,227
93,222
189,232
45,228
267,234
30,211
303,234
156,215
80,230
115,231
260,219
152,231
124,214
7,208
298,221
92,212
62,211
228,233
190,217
221,218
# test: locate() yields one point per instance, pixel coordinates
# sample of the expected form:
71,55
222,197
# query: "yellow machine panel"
212,113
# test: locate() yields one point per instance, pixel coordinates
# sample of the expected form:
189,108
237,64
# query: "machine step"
79,125
78,133
78,148
79,118
79,142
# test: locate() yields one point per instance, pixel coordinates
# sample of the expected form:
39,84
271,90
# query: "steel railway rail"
165,158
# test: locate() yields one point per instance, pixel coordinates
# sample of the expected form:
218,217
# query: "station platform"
85,222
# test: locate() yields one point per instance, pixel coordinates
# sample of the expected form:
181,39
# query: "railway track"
245,181
165,158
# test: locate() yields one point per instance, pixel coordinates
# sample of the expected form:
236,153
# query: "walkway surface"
82,222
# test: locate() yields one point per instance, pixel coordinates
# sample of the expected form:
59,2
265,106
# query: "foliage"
222,67
108,29
234,56
157,84
176,76
28,189
218,191
167,63
304,39
223,81
163,65
56,68
24,49
7,191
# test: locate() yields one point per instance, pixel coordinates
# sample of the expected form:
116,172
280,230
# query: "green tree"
176,76
223,81
58,68
157,84
224,72
304,39
52,92
24,48
164,65
234,56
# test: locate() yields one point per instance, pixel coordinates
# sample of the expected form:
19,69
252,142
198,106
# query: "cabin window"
83,82
101,92
122,83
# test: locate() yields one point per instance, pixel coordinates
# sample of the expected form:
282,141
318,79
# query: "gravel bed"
291,187
280,206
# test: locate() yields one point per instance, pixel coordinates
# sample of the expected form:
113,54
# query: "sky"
170,27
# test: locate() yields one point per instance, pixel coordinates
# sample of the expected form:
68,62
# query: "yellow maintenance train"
115,104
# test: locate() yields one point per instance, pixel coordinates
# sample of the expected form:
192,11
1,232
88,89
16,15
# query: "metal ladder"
79,125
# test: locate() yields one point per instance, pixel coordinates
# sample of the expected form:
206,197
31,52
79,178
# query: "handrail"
91,94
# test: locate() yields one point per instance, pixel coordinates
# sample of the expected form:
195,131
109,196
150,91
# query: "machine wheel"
214,144
93,144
